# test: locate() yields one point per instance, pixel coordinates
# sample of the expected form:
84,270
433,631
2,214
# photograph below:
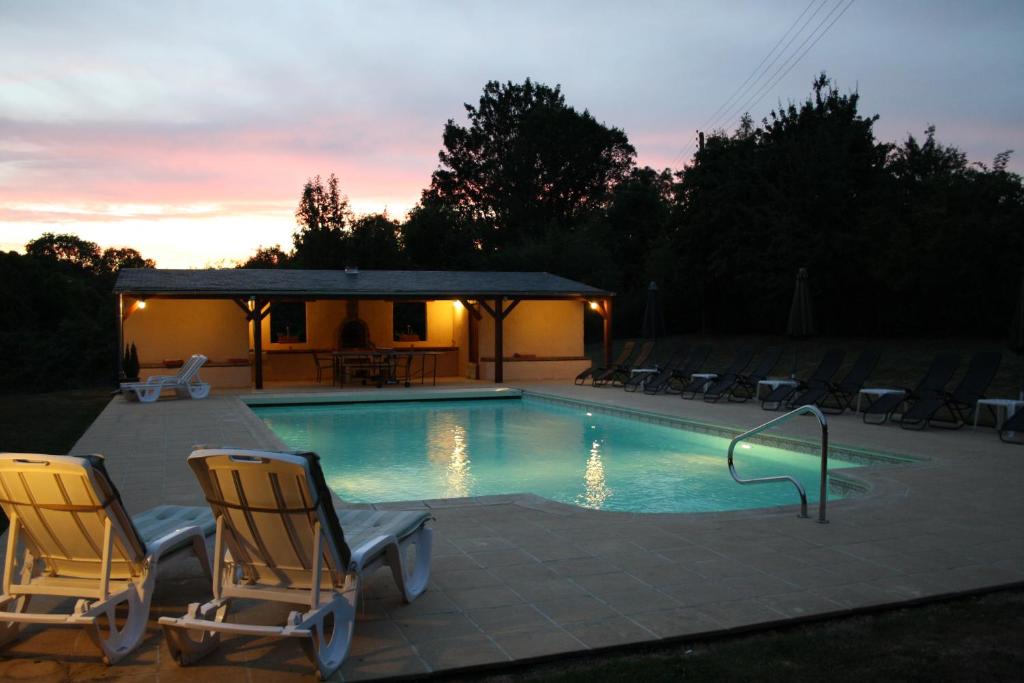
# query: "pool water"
374,452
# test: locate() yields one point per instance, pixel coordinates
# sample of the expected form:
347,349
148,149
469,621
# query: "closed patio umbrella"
801,318
1016,340
654,317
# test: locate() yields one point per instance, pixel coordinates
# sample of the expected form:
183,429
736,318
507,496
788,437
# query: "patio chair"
962,401
70,536
1012,431
639,380
279,539
836,397
618,374
185,383
933,384
679,377
323,361
731,384
624,353
819,379
697,385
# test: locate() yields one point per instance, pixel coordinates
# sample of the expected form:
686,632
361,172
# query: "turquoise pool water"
373,452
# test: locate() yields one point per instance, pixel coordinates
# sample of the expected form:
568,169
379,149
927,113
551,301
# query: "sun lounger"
819,380
1012,431
959,403
185,383
697,385
639,377
742,386
836,397
279,539
673,381
933,384
70,536
618,374
623,358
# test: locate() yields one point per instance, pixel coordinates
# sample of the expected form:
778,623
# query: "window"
410,320
288,322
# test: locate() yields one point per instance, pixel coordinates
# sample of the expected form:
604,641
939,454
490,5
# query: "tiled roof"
245,282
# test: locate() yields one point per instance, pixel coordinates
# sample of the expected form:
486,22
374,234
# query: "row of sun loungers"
681,371
277,538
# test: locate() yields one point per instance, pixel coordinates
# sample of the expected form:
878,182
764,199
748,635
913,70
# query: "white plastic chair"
70,536
185,383
280,539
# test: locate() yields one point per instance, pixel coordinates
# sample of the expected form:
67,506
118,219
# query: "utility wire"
740,90
790,63
794,58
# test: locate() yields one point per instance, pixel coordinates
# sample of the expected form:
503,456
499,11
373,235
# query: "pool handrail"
802,410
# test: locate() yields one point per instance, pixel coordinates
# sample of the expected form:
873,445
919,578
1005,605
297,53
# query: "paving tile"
528,643
400,660
576,608
610,632
534,590
508,618
461,651
421,628
479,598
676,622
503,558
468,578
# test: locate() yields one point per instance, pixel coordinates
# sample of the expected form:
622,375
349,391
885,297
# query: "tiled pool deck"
517,578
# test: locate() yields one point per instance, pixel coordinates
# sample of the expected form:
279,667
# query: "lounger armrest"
159,546
369,550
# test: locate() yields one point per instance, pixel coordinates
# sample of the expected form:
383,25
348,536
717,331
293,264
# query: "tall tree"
526,161
322,216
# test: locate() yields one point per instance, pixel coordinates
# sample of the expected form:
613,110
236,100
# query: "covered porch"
300,326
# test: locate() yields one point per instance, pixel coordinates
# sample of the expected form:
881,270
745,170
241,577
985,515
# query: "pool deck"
518,578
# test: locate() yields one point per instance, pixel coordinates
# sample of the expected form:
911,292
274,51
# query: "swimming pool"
374,452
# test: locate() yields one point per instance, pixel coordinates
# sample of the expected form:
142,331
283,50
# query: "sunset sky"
187,129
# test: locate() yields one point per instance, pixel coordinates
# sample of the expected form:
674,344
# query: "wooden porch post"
607,315
119,366
499,313
259,311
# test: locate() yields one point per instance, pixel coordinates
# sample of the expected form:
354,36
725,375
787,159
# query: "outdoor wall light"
141,303
594,305
457,305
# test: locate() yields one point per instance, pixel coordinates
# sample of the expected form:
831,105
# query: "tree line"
899,238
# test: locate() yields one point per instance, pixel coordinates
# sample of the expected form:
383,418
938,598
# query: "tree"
267,257
373,241
114,259
525,162
322,217
67,249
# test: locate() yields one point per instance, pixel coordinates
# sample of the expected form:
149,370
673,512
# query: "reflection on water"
458,479
596,491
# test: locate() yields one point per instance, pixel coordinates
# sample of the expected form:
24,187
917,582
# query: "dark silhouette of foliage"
323,216
526,162
268,257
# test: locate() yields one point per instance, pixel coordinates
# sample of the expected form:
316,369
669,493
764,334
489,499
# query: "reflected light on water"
596,491
458,479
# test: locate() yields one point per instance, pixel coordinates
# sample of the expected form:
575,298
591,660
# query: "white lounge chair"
186,383
280,539
70,536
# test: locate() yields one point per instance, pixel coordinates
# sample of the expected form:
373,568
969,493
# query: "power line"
787,66
682,154
761,93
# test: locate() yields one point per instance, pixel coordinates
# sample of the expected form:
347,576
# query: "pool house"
283,325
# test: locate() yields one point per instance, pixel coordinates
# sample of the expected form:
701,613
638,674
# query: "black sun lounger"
620,373
835,397
819,379
624,354
931,385
639,380
1012,431
665,380
697,385
962,401
742,386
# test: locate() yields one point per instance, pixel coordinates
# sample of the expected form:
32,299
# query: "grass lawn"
969,639
48,423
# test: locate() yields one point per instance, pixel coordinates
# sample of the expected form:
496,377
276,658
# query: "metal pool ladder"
802,410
